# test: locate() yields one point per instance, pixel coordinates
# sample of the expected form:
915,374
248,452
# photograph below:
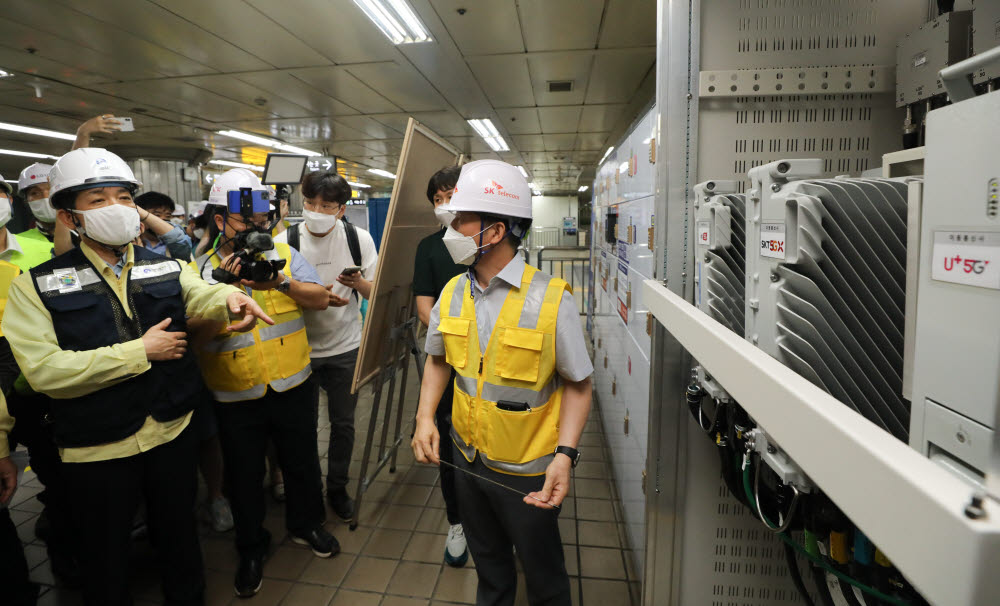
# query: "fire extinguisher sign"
969,258
772,240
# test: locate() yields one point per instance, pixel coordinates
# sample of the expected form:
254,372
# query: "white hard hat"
178,211
88,167
234,180
493,187
5,187
198,209
33,175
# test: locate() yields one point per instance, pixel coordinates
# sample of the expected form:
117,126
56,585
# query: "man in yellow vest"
522,390
260,379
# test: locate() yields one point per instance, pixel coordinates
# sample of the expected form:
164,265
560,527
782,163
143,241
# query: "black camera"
250,243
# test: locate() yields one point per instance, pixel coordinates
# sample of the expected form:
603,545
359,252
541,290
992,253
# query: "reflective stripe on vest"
241,366
518,367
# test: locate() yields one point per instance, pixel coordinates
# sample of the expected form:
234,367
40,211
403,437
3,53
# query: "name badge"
67,280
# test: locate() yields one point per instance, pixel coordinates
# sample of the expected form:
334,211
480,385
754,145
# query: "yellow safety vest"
519,366
241,366
32,253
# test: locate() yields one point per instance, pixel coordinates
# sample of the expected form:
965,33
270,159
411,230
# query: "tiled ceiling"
318,74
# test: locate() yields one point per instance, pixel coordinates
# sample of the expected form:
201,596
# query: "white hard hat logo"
497,190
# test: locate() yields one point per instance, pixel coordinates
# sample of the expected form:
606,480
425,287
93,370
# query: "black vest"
88,315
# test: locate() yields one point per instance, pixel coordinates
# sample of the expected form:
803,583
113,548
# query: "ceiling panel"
56,57
181,97
629,23
402,85
444,123
505,80
369,127
243,92
520,120
529,142
344,87
274,83
279,48
598,118
559,142
300,130
559,119
163,28
560,24
591,141
383,147
560,66
337,29
485,28
616,76
115,43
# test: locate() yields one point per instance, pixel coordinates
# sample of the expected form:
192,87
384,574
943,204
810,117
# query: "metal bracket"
798,81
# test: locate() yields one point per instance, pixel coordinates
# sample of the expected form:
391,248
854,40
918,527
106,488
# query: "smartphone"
126,124
350,270
513,406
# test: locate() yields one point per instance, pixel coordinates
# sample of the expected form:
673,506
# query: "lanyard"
494,482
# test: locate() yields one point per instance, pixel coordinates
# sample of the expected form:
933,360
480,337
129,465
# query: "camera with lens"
250,244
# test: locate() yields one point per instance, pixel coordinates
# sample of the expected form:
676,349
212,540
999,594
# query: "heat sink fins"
725,264
840,303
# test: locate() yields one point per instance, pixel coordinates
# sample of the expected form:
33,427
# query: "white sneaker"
456,551
222,515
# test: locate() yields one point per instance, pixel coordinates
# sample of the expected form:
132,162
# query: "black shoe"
249,576
322,542
43,526
341,504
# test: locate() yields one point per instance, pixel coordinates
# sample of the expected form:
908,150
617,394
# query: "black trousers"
33,431
15,588
335,375
443,421
289,419
105,498
497,520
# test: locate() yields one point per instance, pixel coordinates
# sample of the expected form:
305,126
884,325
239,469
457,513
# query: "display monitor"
284,169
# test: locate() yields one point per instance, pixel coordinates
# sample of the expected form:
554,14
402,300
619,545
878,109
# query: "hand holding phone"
348,271
125,124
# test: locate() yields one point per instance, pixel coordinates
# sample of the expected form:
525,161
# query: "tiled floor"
394,558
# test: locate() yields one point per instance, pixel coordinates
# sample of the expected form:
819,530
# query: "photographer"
261,380
337,249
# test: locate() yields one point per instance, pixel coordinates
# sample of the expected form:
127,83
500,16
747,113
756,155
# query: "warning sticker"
969,258
772,240
705,233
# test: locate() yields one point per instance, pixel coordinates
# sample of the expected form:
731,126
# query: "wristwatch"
284,285
572,453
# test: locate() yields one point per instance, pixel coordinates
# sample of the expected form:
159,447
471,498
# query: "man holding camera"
102,330
260,379
345,258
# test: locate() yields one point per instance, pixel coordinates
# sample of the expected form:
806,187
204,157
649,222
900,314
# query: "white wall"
548,211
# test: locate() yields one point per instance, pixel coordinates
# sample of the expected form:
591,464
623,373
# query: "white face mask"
462,248
176,222
113,225
4,211
43,211
199,232
444,216
319,223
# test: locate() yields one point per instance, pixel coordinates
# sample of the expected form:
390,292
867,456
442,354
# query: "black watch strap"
572,453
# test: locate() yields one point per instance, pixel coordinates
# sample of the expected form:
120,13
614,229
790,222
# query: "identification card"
68,280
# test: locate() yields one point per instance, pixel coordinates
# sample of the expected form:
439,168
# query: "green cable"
817,560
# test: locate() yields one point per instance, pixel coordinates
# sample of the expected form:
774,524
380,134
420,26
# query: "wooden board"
409,221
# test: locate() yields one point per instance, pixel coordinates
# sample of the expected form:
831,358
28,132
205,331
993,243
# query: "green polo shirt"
433,266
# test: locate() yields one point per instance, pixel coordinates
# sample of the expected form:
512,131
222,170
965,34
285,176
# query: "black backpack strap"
354,245
293,236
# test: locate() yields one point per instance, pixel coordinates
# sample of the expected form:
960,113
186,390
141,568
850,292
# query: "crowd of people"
142,343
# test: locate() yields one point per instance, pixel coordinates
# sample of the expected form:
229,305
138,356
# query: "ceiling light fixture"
523,172
41,132
623,167
237,165
13,152
485,129
6,74
361,185
606,154
235,134
396,19
382,173
535,192
532,186
583,188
